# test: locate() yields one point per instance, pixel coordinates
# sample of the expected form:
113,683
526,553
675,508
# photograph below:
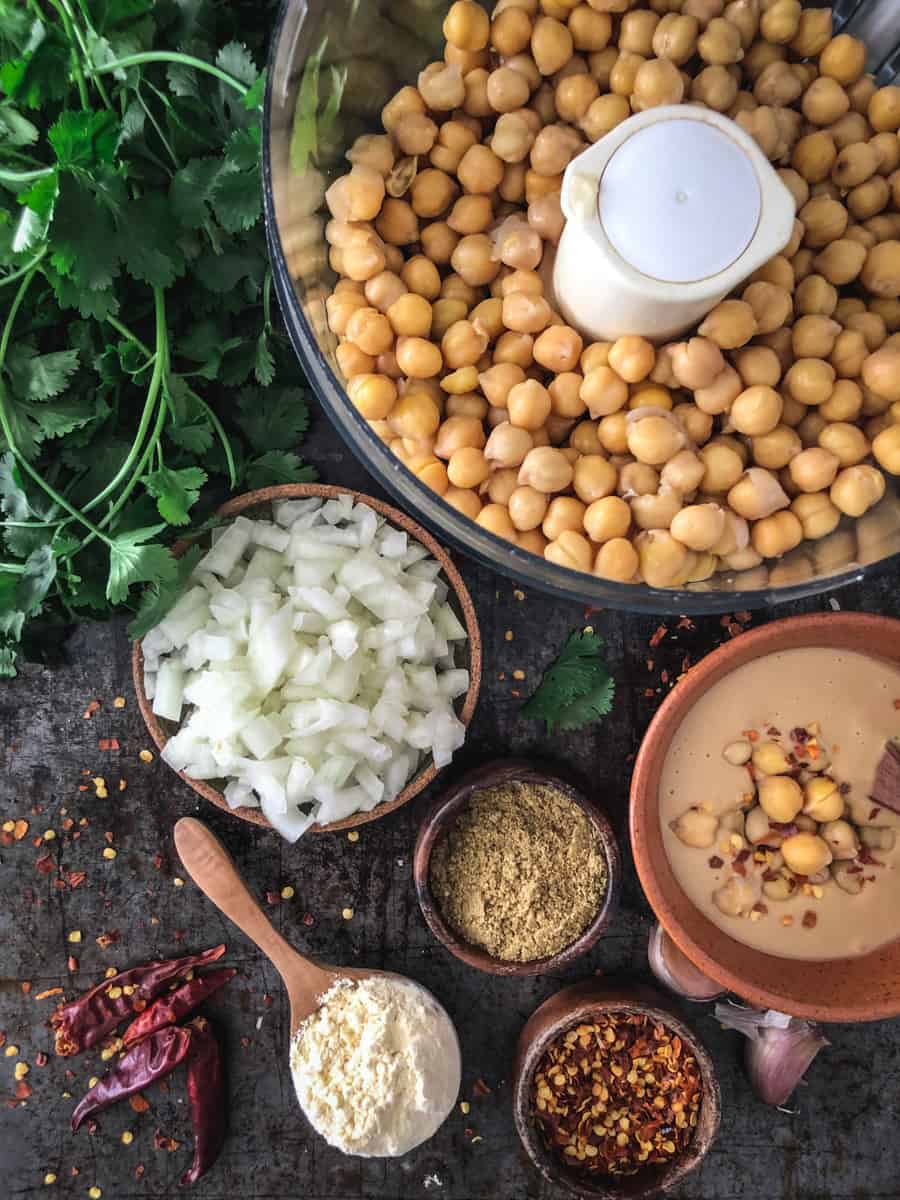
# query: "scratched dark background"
840,1144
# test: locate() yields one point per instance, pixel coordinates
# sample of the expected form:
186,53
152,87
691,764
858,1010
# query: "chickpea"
776,535
603,115
571,550
467,25
857,489
854,165
778,85
512,347
824,101
815,469
720,43
604,392
699,526
772,305
468,467
869,199
551,45
594,478
607,518
736,897
795,184
432,192
780,798
632,358
841,262
843,59
775,449
529,405
372,395
575,95
886,448
457,432
624,73
814,156
654,440
464,501
471,214
696,363
810,381
723,467
769,759
657,81
715,87
508,445
656,510
441,88
637,479
730,324
527,508
887,150
352,361
813,32
661,558
758,365
675,38
507,90
683,472
884,110
495,519
526,313
809,430
590,30
617,560
756,411
845,402
846,442
546,469
696,828
871,326
511,31
558,348
757,494
824,220
565,394
564,513
480,171
841,839
814,336
818,517
881,272
806,853
881,373
422,277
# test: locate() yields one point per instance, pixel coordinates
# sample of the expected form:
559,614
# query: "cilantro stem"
23,270
223,438
76,30
153,121
72,36
17,178
128,334
267,300
13,568
149,404
165,56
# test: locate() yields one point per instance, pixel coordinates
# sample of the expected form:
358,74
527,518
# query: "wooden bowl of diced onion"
162,730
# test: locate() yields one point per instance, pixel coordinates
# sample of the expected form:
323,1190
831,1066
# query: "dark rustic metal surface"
840,1144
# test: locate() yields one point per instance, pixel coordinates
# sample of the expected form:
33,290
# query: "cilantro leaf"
15,129
235,59
41,376
41,196
35,582
577,689
160,596
132,560
278,467
99,304
274,420
243,148
13,500
237,199
84,237
192,188
147,247
175,492
257,93
83,139
265,363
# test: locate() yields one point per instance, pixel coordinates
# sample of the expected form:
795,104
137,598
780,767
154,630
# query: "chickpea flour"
831,713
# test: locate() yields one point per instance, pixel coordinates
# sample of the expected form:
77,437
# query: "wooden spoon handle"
208,863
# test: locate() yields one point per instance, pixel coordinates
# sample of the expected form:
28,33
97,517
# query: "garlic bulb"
780,1049
675,970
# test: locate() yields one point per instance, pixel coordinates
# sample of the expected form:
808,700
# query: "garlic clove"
675,970
780,1049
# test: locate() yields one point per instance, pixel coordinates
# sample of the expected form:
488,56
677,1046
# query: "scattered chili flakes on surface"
25,985
897,704
146,756
20,1070
23,1090
2,1037
480,1088
109,853
139,1171
308,920
49,1178
76,878
347,914
48,992
715,862
92,707
105,940
109,743
157,861
809,919
127,1137
661,632
11,1050
353,836
75,936
44,865
40,1059
138,1103
119,702
273,898
287,892
20,828
617,1094
100,789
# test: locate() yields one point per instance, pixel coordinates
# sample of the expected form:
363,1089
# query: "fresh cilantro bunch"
578,689
138,349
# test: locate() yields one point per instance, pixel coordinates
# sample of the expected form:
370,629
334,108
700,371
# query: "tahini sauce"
852,697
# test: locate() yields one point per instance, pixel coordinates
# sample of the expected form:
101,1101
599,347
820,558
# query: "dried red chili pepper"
174,1006
206,1092
153,1058
87,1020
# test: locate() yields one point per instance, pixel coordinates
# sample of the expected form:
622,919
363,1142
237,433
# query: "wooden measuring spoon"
209,865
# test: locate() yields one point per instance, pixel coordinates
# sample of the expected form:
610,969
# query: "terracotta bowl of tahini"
261,500
584,1002
442,816
866,988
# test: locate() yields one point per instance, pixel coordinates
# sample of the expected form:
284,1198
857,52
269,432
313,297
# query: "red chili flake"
308,919
108,835
91,709
163,1142
650,664
67,823
23,1089
661,632
685,623
40,1059
742,856
45,995
734,630
109,743
773,732
92,1126
648,691
2,1037
760,908
897,704
744,617
809,919
105,940
664,677
873,813
138,1103
854,870
268,1000
739,868
26,986
245,1042
139,1171
59,884
715,862
75,1172
480,1088
72,962
769,876
725,620
6,839
76,878
865,856
37,841
157,861
44,864
469,1132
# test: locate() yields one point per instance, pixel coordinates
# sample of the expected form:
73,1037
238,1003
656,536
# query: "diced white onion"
314,655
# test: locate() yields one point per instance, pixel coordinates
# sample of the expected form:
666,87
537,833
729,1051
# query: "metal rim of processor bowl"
443,520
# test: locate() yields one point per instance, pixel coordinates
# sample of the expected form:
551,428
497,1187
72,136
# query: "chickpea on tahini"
771,422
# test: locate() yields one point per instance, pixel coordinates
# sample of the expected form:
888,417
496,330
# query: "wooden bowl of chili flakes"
615,1036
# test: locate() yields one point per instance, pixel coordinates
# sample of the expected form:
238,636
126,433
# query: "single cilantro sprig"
577,689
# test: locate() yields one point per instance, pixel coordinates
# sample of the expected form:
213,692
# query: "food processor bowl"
359,52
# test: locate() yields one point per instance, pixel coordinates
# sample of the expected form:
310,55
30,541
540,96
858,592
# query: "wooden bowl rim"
771,638
300,491
559,1013
445,810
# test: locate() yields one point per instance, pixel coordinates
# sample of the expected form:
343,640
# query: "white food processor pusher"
665,216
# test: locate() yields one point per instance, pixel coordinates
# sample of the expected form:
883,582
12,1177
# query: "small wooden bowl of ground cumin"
516,871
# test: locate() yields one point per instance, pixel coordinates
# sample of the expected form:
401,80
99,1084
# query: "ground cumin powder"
521,873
